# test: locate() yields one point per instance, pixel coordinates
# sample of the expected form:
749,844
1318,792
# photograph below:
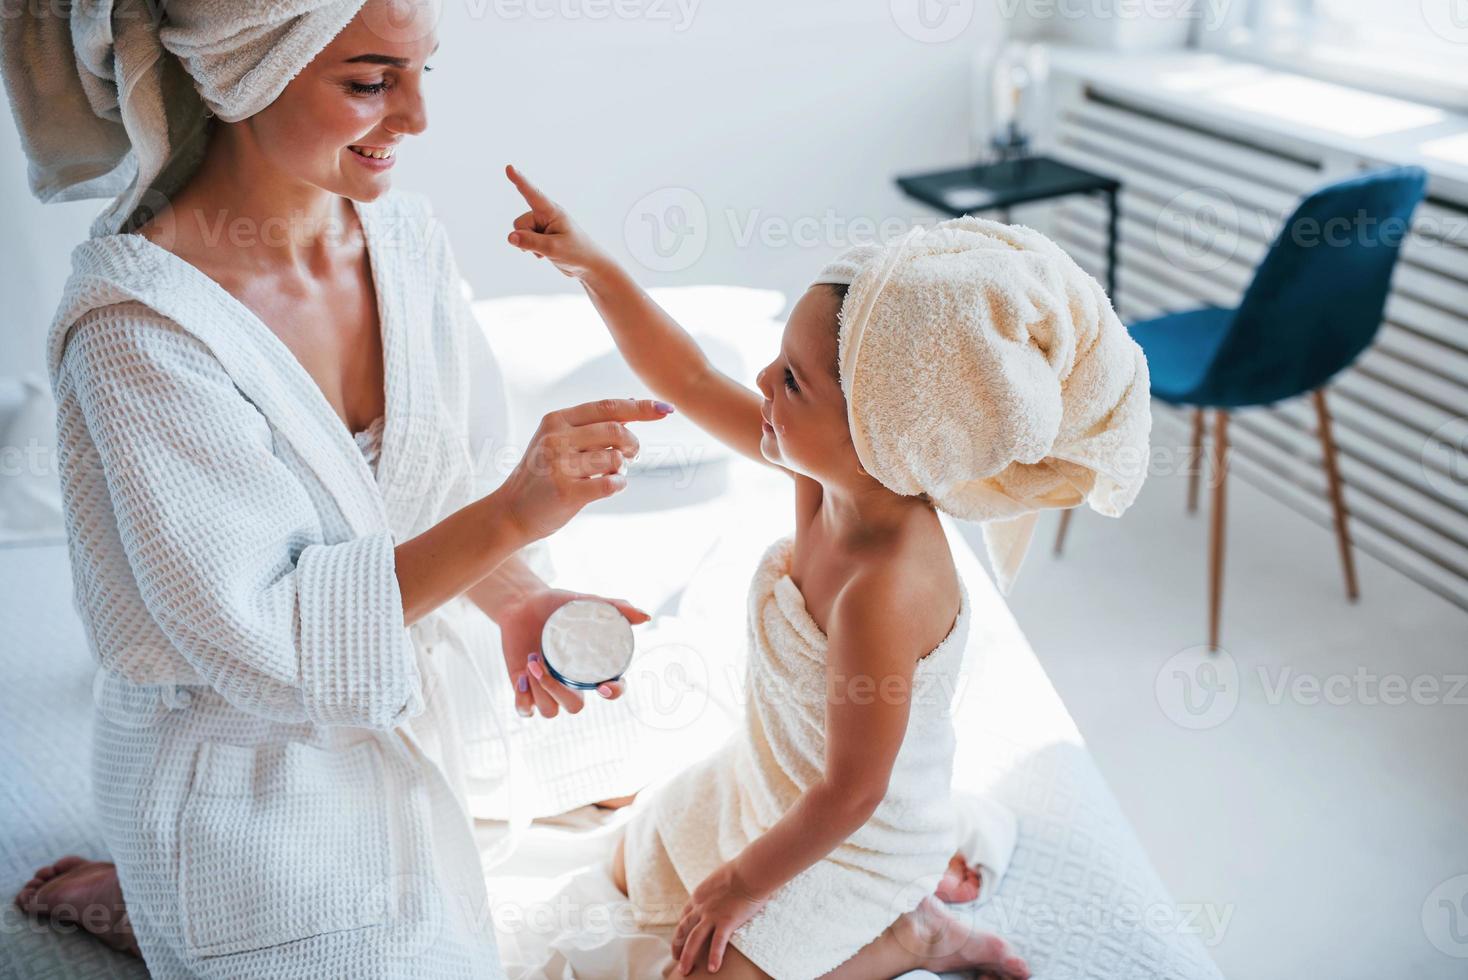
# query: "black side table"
1000,186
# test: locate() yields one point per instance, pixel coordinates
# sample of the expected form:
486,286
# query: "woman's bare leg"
75,891
619,865
616,802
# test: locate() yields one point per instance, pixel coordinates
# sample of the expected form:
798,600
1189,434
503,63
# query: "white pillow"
30,489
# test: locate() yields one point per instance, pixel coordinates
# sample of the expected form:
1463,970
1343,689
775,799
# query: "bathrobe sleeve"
226,543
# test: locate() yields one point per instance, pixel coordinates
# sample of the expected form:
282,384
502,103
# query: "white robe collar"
118,268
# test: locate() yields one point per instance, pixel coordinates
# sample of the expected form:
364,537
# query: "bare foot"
75,891
960,883
944,943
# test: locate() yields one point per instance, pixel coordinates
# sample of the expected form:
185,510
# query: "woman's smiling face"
338,124
806,429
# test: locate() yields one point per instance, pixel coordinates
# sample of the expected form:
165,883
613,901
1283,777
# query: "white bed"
1080,900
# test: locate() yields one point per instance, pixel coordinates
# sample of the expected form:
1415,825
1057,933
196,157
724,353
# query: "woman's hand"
521,625
719,905
575,457
549,233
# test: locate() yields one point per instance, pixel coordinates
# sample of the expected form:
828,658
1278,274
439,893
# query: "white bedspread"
1080,898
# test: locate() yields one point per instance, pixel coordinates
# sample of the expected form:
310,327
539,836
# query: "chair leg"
1215,536
1337,497
1064,526
1195,461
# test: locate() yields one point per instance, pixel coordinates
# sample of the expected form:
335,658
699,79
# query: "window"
1416,49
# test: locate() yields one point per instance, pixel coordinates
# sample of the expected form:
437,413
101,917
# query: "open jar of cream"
586,643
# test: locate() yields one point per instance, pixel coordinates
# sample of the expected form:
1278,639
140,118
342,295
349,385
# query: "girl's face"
363,92
805,412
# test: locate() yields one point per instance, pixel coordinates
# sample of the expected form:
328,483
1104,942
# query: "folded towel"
984,368
112,96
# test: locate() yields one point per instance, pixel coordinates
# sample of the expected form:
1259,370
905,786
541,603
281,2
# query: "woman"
267,422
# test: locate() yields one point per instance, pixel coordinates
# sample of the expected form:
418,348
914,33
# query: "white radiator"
1406,490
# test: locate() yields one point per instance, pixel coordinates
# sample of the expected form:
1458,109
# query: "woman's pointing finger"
616,410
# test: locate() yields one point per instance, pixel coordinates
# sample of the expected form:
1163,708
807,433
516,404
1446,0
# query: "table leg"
1111,222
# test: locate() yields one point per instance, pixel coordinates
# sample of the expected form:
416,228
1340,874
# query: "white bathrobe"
281,769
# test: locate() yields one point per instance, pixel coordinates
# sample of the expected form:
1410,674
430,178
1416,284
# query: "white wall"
786,121
1125,25
35,247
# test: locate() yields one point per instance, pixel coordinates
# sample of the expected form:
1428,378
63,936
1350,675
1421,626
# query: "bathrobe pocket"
282,842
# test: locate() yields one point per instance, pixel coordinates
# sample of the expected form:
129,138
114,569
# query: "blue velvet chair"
1314,305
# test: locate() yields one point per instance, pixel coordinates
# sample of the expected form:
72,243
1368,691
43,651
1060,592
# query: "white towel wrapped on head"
111,95
984,368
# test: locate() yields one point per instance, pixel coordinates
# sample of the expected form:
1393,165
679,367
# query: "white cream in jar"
586,643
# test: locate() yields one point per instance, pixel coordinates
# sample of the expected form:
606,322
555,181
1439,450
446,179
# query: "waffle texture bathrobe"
281,769
710,812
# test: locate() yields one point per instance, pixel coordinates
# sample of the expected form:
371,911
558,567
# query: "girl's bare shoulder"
911,577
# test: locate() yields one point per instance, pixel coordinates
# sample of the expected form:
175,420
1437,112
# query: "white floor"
1324,823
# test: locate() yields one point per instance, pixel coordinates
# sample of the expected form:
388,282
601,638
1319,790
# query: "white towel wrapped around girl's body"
710,812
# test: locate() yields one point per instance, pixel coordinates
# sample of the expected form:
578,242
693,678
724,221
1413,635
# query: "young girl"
792,852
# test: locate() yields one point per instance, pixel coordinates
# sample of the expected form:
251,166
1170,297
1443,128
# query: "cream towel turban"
110,95
984,368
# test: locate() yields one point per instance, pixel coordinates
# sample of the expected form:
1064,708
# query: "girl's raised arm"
658,350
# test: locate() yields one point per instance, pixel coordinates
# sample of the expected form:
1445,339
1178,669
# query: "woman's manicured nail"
605,690
523,710
522,684
663,407
535,669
